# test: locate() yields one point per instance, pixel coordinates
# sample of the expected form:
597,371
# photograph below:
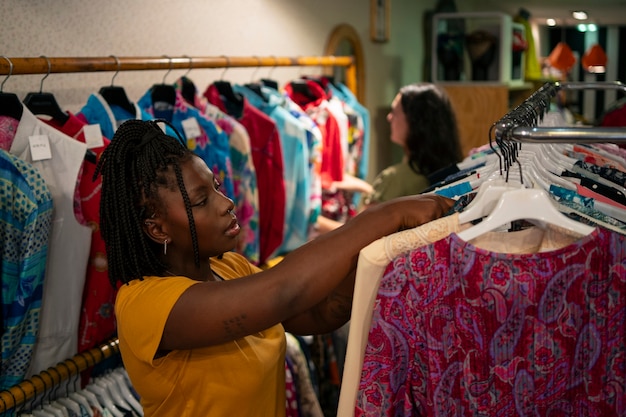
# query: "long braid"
133,167
192,224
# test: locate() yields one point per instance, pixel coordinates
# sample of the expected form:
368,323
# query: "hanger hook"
50,391
10,72
226,67
300,67
77,373
57,384
16,405
4,403
69,375
273,66
117,71
493,148
170,69
45,76
13,412
190,65
258,65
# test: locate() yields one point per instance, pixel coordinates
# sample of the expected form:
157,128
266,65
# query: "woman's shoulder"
233,265
396,181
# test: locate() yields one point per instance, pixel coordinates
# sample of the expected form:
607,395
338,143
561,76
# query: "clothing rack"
52,377
520,124
48,65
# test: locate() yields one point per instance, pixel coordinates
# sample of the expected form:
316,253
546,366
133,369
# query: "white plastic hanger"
105,399
109,386
82,400
530,204
70,404
55,411
486,199
61,408
536,167
122,384
40,412
91,399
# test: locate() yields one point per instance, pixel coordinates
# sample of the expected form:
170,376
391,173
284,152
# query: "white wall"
208,28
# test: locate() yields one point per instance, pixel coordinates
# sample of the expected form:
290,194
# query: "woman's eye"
200,203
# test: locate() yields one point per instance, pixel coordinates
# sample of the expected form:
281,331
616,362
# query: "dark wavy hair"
433,139
134,166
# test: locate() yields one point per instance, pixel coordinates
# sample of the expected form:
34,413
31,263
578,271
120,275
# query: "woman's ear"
152,228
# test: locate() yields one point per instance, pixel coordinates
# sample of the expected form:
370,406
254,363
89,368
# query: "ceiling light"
592,28
579,15
582,27
551,22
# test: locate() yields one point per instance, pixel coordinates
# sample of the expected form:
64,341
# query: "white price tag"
39,147
93,136
191,127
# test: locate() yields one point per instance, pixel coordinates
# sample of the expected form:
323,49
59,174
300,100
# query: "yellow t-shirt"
245,377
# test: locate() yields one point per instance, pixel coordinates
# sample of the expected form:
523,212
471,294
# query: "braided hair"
134,166
433,140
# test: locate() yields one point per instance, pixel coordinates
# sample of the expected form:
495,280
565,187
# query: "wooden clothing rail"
47,65
49,379
52,377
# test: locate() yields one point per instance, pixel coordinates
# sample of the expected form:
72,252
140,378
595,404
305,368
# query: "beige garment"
370,267
374,258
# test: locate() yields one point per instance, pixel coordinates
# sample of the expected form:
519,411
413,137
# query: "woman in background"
423,123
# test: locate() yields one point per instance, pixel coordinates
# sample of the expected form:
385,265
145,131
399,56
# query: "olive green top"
396,181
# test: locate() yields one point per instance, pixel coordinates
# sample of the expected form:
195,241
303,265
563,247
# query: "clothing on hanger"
116,96
451,312
244,179
296,172
10,105
27,220
268,162
42,103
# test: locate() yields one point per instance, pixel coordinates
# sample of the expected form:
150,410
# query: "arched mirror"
344,41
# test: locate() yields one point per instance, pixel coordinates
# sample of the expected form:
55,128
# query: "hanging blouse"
25,224
296,177
97,321
268,162
314,143
243,171
459,330
69,241
209,141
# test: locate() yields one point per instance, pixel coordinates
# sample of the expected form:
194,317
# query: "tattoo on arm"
234,327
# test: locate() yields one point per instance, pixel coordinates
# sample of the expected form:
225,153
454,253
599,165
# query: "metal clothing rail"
520,124
48,65
52,377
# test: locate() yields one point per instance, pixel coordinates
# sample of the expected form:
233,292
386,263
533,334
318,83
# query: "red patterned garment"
461,331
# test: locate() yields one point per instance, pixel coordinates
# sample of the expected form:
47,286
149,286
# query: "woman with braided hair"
201,330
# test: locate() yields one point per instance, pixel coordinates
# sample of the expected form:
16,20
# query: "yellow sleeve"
142,308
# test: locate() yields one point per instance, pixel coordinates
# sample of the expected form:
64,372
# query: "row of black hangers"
45,103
